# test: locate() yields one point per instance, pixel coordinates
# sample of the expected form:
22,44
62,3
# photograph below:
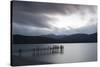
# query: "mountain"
54,36
75,38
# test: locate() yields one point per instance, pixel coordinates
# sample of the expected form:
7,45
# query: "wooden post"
61,49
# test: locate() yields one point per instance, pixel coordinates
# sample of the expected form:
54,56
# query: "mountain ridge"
74,38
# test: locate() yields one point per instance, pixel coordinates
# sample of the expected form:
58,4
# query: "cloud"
30,18
40,7
35,31
29,30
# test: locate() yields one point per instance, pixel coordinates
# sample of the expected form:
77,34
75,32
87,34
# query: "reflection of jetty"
38,51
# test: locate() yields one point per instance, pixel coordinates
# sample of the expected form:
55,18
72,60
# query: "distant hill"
75,38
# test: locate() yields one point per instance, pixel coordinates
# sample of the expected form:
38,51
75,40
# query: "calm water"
73,52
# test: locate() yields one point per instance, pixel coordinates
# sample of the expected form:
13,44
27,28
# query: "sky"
38,18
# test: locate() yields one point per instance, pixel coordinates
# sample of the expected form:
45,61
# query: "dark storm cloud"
31,11
26,18
37,7
33,14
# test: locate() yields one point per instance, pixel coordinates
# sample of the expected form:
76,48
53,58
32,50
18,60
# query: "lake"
72,52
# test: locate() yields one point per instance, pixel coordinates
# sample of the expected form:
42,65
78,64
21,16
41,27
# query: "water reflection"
38,51
54,53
